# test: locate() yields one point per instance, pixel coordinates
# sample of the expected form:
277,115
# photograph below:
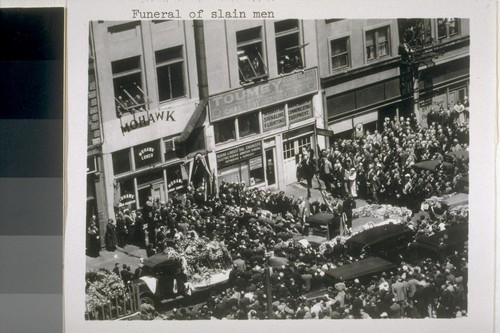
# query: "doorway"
270,167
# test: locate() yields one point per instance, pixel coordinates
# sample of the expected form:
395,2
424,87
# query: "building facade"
245,99
264,99
146,94
363,78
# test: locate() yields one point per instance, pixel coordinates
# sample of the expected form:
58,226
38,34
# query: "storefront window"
248,124
224,130
251,172
175,177
147,154
127,194
121,161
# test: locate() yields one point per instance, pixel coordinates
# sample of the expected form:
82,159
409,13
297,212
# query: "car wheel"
147,299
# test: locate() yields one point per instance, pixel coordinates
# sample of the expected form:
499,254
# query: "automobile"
169,278
322,227
439,244
363,270
386,240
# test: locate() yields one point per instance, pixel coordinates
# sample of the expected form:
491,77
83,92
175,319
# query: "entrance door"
153,191
158,191
289,164
292,150
270,167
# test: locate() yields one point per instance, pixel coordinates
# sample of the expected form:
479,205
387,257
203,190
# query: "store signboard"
239,154
300,111
324,132
274,118
257,96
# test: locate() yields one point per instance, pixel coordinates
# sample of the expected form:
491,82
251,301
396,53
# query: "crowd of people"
379,166
253,223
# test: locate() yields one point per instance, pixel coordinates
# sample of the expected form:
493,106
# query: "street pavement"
130,254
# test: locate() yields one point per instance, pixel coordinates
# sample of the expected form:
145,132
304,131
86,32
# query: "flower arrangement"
383,212
101,286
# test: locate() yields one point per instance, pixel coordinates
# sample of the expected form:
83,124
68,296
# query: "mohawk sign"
146,119
257,96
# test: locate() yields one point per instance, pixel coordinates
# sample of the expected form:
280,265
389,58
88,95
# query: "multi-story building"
250,96
363,77
145,94
264,98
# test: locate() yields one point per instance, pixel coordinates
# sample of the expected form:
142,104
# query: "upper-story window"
127,84
377,43
250,60
288,47
340,53
170,73
447,27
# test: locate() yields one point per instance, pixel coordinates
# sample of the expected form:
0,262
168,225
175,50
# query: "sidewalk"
129,255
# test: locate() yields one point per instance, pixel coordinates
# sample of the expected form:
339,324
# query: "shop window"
447,27
248,124
150,178
169,149
377,43
127,85
147,154
121,161
170,73
340,53
251,172
175,177
224,130
288,47
127,194
250,60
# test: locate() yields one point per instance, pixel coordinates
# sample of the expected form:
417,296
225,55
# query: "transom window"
377,43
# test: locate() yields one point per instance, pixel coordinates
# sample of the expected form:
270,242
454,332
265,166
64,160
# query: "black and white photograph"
244,165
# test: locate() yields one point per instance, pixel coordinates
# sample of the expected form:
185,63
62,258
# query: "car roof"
320,218
158,260
360,268
379,234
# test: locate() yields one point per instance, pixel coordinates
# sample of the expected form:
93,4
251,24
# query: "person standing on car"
347,206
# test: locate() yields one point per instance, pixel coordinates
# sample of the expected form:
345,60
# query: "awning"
192,122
